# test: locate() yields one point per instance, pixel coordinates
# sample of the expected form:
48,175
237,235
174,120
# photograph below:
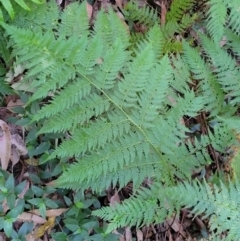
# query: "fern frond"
156,37
130,212
152,98
181,74
178,9
145,15
71,18
78,114
225,68
72,94
208,85
45,54
233,17
218,17
95,135
110,28
217,14
113,61
135,80
172,26
4,87
120,155
124,112
233,41
219,204
42,17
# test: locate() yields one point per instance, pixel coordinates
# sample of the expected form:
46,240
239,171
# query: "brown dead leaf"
18,142
45,227
139,235
51,184
51,212
11,104
3,237
89,11
5,207
32,162
114,199
5,144
176,225
128,234
121,237
119,3
21,195
59,2
31,217
15,157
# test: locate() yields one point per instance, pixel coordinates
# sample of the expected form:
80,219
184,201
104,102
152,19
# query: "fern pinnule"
116,156
71,17
77,114
179,8
42,17
233,42
111,31
71,94
135,79
233,17
87,58
225,68
94,135
113,61
219,204
207,82
145,15
181,74
152,99
217,14
156,37
172,26
130,212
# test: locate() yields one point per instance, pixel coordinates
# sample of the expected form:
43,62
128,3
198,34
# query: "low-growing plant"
125,104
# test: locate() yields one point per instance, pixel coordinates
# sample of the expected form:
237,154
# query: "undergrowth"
149,108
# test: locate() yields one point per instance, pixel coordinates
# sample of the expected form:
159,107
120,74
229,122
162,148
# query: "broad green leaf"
23,4
19,188
18,209
25,228
35,201
38,1
7,225
37,191
8,6
71,224
42,209
49,203
11,199
60,236
44,146
10,183
2,180
1,222
67,201
1,16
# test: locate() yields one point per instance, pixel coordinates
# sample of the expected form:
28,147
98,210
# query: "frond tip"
219,204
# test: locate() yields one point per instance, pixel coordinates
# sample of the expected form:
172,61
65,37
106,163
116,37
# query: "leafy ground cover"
32,208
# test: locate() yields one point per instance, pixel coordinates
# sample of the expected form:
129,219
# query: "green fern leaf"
178,9
219,204
208,85
217,14
145,15
225,68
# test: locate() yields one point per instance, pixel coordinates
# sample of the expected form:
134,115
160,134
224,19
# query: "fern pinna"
124,104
